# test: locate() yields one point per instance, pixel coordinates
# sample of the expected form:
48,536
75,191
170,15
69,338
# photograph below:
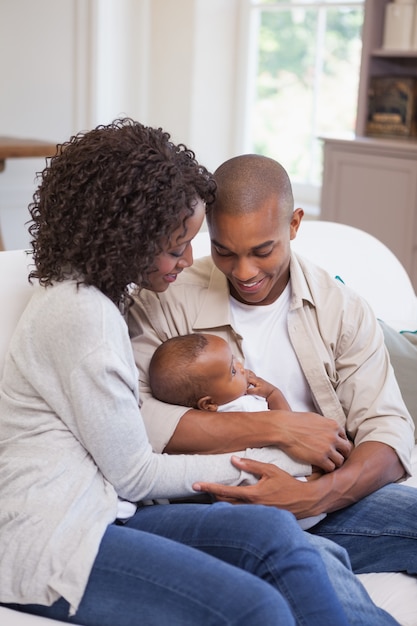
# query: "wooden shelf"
394,54
378,61
18,147
400,147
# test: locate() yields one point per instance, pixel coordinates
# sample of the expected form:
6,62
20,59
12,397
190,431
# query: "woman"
116,207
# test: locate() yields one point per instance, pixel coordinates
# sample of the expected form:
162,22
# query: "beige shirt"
335,335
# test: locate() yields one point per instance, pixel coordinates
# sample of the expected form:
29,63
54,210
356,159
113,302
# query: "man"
316,340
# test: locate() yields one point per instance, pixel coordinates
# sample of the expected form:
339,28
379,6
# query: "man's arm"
306,437
323,444
370,466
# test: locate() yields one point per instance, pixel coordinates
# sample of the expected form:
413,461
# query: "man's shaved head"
245,182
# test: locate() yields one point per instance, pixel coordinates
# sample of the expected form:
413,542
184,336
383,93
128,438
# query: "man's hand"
274,488
314,439
306,437
370,466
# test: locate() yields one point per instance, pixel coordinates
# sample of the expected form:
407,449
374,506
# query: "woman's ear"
207,404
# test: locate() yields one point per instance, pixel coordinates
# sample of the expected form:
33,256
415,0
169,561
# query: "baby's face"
226,377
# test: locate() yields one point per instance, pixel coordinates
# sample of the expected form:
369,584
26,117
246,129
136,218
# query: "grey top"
71,441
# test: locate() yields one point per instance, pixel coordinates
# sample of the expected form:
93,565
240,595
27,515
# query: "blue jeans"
379,532
207,564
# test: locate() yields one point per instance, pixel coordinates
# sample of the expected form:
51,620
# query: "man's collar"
300,290
215,309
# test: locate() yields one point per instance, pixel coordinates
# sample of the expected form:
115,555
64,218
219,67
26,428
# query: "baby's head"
196,370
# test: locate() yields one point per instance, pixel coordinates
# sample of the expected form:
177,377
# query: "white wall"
68,65
42,45
192,89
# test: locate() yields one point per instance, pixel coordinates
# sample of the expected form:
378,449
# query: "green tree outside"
306,84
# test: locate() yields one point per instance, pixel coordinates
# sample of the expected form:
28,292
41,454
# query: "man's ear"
207,404
297,216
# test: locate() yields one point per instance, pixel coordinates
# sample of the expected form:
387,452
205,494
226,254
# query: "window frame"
307,193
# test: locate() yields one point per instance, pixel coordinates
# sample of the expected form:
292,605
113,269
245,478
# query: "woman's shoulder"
68,295
71,308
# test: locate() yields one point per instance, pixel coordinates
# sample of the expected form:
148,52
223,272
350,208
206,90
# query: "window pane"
306,83
340,77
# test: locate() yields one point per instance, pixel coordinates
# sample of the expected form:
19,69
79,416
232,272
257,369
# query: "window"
305,62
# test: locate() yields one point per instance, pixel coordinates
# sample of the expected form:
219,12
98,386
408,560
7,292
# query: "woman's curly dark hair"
106,202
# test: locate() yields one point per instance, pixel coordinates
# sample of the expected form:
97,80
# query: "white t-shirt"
269,353
268,350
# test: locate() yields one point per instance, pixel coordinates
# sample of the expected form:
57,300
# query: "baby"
200,371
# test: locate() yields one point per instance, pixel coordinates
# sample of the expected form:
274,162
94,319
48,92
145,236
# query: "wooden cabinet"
371,183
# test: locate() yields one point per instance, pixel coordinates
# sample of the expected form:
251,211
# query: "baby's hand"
258,386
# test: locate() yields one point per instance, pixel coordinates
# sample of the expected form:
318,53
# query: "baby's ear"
207,404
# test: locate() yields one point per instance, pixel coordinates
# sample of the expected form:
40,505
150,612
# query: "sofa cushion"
402,347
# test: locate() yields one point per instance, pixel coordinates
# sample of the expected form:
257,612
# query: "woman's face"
178,254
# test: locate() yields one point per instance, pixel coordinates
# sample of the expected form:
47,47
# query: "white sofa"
396,593
15,291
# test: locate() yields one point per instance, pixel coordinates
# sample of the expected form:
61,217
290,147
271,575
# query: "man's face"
253,251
